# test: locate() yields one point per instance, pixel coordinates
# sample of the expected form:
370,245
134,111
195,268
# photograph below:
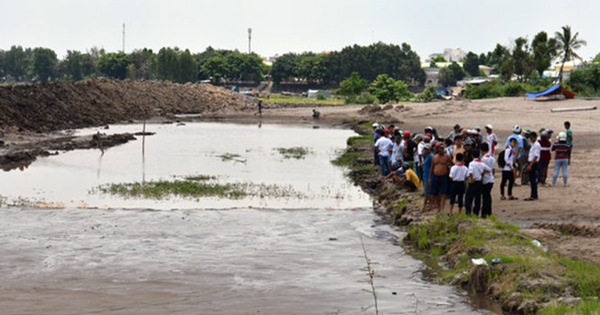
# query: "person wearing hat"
427,151
545,157
468,145
384,146
562,151
533,166
492,139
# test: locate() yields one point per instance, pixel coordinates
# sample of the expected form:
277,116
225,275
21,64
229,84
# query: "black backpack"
501,161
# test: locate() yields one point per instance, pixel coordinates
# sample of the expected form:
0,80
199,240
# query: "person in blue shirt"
428,158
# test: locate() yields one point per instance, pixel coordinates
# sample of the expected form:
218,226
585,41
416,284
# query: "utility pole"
249,40
123,37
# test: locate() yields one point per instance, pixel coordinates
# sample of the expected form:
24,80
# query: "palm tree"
567,44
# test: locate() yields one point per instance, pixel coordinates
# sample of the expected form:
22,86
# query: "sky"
281,26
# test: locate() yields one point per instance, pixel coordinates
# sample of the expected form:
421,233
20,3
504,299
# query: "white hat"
517,129
375,125
489,126
562,136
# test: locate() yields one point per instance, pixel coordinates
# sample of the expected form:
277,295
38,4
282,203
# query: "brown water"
106,255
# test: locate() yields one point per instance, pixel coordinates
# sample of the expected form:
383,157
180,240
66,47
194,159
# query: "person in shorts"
440,168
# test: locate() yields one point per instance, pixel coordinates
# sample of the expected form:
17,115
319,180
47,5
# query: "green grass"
195,187
292,100
293,153
460,238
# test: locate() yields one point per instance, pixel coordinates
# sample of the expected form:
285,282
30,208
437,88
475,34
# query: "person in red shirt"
561,158
545,157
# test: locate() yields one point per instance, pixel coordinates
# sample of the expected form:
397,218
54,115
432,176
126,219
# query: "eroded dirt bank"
32,115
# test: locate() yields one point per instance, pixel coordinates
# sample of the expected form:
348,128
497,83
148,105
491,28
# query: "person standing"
518,149
561,158
397,156
492,139
384,150
569,134
458,174
410,147
260,107
523,159
533,166
476,171
427,151
508,172
440,167
545,157
376,136
488,180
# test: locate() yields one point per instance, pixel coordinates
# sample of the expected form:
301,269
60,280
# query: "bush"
387,89
428,95
514,89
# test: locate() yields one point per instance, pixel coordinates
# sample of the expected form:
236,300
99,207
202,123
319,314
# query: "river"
66,249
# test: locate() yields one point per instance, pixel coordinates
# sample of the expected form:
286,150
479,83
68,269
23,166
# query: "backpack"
501,161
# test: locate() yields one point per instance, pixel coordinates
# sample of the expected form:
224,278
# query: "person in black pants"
476,171
508,171
488,180
533,167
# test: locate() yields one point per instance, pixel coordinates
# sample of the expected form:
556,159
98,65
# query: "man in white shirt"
476,171
397,151
508,171
488,180
533,167
492,140
384,146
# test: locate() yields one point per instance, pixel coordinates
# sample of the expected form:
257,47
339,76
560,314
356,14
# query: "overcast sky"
281,26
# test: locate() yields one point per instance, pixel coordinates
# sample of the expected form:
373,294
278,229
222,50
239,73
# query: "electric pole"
123,37
249,40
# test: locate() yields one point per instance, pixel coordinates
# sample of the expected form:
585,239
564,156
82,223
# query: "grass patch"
296,153
195,187
292,100
525,268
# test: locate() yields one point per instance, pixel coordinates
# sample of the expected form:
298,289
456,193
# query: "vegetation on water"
296,153
195,187
230,157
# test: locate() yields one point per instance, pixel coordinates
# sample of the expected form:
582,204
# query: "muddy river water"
66,249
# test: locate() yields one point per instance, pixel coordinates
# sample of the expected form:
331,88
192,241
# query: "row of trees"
173,64
525,60
398,62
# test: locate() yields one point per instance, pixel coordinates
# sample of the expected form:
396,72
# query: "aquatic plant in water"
196,186
293,153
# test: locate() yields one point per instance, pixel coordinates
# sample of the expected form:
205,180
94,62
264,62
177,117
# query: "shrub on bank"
497,88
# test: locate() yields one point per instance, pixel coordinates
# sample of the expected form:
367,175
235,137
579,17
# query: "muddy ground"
567,219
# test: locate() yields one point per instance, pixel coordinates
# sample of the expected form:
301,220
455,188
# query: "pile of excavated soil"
65,105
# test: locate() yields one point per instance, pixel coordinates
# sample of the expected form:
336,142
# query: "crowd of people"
462,166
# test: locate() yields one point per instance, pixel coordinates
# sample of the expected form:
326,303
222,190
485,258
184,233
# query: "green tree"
353,85
167,64
215,69
439,58
16,63
114,65
522,60
76,66
596,59
44,64
451,74
387,89
188,68
567,45
586,81
544,51
285,68
143,60
471,64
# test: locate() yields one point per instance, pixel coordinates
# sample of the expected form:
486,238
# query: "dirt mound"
65,105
